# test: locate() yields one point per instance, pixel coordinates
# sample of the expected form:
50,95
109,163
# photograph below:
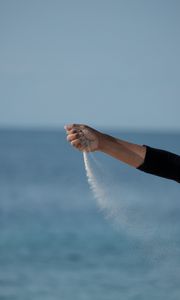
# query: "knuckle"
77,136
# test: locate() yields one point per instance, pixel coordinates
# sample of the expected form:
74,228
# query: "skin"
85,138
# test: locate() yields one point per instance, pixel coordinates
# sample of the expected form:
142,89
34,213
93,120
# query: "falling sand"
127,211
111,209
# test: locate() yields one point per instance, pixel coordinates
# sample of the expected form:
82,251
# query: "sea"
57,242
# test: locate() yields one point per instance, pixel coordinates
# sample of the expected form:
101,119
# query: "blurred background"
115,66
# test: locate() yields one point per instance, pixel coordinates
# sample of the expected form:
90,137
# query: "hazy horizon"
106,129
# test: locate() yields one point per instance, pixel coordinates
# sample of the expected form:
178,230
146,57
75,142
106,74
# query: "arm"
87,139
154,161
129,153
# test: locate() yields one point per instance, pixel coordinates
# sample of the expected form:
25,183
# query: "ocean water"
56,241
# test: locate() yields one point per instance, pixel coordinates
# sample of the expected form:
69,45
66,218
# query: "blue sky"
104,63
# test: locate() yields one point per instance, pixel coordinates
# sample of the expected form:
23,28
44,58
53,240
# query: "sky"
112,63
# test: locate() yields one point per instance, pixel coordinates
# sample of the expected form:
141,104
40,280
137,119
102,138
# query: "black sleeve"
161,163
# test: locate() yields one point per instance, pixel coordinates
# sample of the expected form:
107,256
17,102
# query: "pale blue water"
56,244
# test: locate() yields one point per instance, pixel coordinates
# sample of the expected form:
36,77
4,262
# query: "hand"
83,138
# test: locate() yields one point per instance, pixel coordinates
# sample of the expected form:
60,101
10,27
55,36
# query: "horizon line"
109,128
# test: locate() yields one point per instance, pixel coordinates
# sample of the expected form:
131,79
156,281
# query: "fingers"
68,127
75,139
72,126
78,145
72,136
74,132
76,136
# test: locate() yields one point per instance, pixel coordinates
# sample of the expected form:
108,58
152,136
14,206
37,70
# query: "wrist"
103,139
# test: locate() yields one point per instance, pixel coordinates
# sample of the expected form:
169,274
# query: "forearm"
154,161
150,160
129,153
